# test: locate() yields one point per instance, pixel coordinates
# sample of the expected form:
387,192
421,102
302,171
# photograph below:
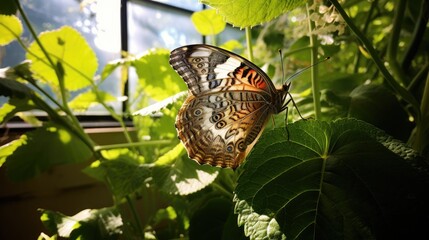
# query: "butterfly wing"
208,69
229,103
217,129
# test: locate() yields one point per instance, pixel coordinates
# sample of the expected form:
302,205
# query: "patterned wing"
220,129
208,69
229,103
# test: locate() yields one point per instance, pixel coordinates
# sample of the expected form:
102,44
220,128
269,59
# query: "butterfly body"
230,100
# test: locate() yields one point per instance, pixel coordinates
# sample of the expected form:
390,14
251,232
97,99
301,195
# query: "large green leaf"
123,169
10,29
67,48
377,105
43,148
183,177
208,22
156,77
105,223
244,13
90,98
336,180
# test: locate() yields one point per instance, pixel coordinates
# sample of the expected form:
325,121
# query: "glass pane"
231,33
98,22
156,26
193,5
150,26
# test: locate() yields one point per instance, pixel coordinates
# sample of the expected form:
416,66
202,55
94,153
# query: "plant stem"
222,190
420,139
60,76
249,44
402,92
314,70
392,50
134,144
136,217
417,78
56,67
417,36
364,29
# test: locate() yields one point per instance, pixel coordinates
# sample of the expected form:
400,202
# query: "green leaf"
167,213
7,111
208,22
43,148
14,89
105,223
89,98
156,77
256,225
244,13
375,104
111,66
19,98
157,107
332,180
231,45
9,148
183,177
14,106
121,163
10,29
66,47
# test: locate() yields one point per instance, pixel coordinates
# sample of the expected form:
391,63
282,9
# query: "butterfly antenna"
283,68
302,70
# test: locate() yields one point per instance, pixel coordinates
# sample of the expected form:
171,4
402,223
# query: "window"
144,25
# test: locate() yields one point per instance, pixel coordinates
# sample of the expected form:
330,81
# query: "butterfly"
229,102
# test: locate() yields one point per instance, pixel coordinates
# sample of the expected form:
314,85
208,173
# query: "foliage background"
358,169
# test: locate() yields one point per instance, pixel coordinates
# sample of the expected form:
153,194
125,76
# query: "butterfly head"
286,87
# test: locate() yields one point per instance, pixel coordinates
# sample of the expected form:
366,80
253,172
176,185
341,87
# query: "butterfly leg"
286,117
294,105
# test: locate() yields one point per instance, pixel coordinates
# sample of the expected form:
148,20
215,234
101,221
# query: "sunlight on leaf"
157,107
45,147
105,223
184,176
244,13
9,148
231,45
166,213
121,162
67,47
30,119
171,156
89,98
19,98
111,66
257,226
157,78
10,29
6,111
208,22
